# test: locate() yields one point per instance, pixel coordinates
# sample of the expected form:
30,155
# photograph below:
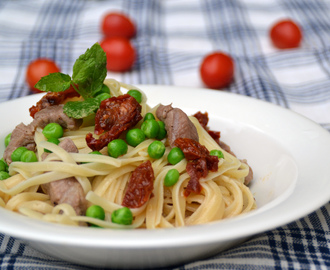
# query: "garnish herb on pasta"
114,162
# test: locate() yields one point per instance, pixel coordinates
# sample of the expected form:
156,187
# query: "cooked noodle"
104,181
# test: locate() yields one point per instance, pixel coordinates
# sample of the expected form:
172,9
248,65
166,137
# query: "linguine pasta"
104,180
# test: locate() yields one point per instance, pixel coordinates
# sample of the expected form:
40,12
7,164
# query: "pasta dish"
122,164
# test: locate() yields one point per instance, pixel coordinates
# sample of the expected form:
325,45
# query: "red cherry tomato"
118,25
37,69
286,34
217,70
120,53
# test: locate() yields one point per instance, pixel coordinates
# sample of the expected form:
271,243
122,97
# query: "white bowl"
288,153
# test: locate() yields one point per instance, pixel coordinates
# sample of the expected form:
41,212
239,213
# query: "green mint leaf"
89,71
54,82
81,109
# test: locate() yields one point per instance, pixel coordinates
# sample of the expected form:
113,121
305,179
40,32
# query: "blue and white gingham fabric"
173,37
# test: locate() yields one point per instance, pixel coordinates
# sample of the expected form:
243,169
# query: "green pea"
95,153
135,94
135,136
3,166
52,140
29,156
4,162
156,149
150,128
175,155
122,216
95,211
117,148
217,153
17,153
7,139
162,131
53,130
4,175
171,177
149,116
102,97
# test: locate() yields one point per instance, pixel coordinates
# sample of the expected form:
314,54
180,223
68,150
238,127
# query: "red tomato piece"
217,70
120,53
118,25
200,162
115,115
39,68
286,34
140,186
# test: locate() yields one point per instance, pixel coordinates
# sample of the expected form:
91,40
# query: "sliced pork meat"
177,124
55,114
249,177
68,145
23,135
226,147
67,190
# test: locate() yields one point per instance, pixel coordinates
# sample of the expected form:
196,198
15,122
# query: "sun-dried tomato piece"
196,169
215,135
115,115
192,149
53,98
203,119
201,162
140,186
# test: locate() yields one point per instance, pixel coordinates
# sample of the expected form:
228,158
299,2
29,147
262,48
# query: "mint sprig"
89,72
54,82
81,109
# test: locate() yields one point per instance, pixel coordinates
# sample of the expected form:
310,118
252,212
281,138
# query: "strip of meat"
177,123
201,162
114,116
249,177
55,114
23,135
67,190
140,186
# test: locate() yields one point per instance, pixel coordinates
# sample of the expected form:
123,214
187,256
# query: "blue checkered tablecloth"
173,37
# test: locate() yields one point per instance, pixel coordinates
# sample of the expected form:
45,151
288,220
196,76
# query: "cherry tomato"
120,53
118,25
37,69
286,34
217,70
